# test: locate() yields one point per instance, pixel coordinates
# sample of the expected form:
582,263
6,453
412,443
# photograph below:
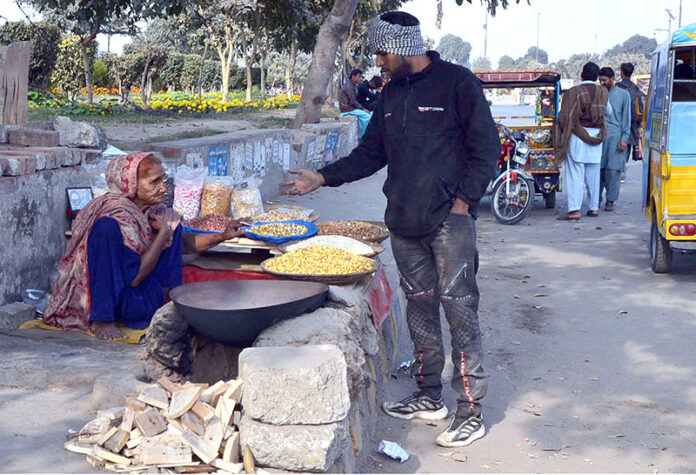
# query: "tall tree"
88,18
454,49
481,64
535,54
506,63
636,44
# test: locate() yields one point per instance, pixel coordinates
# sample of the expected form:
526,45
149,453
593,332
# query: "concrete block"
8,184
295,385
20,165
3,165
300,448
33,137
86,155
3,131
14,314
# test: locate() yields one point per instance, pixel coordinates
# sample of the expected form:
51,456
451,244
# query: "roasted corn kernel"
279,229
276,215
320,260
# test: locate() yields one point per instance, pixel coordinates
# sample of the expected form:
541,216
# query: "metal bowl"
235,312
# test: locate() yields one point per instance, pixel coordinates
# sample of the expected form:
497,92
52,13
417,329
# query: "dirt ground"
589,355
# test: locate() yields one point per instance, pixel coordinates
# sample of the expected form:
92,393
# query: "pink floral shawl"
70,305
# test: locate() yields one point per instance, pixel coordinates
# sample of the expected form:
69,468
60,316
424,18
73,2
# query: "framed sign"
79,197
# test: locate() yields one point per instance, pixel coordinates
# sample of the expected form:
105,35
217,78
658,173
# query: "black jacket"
366,98
435,131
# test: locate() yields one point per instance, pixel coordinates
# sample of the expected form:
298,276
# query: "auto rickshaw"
541,169
669,144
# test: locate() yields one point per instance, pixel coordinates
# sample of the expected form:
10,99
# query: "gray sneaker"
462,431
417,406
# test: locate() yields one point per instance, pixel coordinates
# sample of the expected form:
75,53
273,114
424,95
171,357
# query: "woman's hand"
234,229
161,227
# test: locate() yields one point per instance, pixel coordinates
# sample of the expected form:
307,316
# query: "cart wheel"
660,252
550,200
510,209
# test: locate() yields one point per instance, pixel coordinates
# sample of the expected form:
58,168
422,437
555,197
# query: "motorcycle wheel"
550,200
513,208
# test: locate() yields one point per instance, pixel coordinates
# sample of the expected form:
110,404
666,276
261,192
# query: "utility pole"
671,17
536,55
485,36
680,12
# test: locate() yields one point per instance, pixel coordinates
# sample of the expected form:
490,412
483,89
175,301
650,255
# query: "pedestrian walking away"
433,129
615,146
581,129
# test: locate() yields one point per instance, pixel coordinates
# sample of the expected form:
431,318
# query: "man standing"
348,102
615,146
433,129
636,100
579,136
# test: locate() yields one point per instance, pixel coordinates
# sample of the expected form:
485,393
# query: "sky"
566,26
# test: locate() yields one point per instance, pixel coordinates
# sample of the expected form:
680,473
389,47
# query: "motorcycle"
513,186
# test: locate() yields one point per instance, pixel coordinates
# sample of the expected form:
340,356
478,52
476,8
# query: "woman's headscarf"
70,304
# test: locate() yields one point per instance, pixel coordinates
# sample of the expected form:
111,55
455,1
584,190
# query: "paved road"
589,353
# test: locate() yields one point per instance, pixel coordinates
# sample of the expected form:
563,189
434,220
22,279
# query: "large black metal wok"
235,312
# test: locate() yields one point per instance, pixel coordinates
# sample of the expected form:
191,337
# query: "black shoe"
462,431
417,406
609,206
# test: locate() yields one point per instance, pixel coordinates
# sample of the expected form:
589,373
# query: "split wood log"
164,450
248,460
154,396
199,447
203,410
210,395
182,401
193,422
117,441
113,414
77,448
227,466
234,390
214,434
150,423
104,454
231,453
134,404
107,435
128,419
168,385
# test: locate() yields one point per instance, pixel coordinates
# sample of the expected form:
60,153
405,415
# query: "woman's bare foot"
106,331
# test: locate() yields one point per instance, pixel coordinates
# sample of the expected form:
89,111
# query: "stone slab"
18,165
295,385
14,314
300,448
33,137
3,131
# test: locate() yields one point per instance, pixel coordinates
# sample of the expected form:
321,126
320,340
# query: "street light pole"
536,56
485,36
680,12
671,17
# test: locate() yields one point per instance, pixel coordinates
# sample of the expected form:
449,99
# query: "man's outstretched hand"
306,182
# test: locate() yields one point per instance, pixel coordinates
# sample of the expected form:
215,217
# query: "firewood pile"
168,428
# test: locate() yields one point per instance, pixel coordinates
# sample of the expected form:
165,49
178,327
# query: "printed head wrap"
397,33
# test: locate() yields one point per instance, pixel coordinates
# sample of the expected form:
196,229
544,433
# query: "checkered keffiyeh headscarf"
387,37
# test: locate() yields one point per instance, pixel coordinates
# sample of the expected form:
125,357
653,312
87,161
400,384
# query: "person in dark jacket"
433,129
636,97
368,92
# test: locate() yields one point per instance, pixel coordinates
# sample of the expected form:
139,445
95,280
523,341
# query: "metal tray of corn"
372,231
321,264
372,249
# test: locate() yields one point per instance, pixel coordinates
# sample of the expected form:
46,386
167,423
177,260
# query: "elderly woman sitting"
125,251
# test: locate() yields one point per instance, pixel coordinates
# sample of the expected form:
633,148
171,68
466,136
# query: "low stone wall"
265,153
32,227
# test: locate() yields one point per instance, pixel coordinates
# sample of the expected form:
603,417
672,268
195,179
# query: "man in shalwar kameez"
580,131
615,146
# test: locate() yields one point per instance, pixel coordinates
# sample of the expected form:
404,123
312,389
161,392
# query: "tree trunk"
143,80
87,68
225,83
323,62
263,73
290,70
200,72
